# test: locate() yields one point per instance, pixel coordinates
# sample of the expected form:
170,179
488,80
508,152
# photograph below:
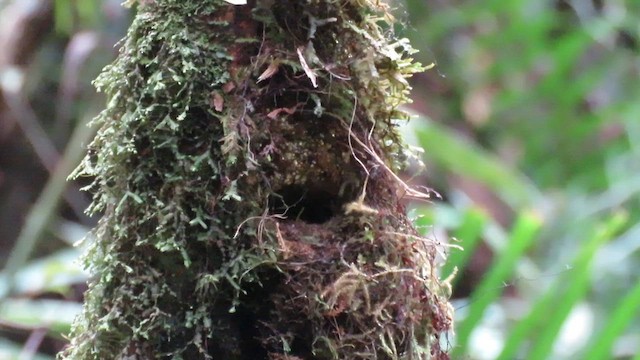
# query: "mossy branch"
227,170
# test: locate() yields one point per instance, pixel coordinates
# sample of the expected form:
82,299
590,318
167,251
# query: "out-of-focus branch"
11,85
79,49
23,24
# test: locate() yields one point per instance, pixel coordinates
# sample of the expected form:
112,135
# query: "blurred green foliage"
559,74
70,14
535,104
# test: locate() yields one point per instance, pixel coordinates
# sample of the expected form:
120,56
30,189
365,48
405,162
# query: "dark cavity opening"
300,203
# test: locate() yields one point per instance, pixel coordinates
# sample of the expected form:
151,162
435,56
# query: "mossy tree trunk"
245,167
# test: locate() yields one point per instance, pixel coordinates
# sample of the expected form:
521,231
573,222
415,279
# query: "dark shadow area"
300,203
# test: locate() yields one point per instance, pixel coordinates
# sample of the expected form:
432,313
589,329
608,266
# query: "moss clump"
244,166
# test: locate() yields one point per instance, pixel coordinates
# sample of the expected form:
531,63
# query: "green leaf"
63,14
468,235
625,312
88,10
53,273
573,287
520,239
463,157
549,313
54,315
637,357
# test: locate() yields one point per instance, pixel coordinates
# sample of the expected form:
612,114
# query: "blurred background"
528,121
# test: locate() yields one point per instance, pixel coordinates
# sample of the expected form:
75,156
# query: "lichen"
245,167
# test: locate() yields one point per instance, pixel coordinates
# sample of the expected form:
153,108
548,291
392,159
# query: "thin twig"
11,88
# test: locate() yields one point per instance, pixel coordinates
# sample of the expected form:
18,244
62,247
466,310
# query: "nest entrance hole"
314,206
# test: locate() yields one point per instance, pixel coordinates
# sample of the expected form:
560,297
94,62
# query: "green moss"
243,167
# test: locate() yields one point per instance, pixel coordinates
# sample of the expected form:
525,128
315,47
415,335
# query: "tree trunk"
245,167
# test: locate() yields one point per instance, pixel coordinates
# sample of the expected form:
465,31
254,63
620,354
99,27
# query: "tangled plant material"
246,167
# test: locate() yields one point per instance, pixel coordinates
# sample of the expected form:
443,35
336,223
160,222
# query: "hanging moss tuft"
245,169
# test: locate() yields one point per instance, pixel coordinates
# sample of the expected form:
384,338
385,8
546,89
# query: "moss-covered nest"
245,166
